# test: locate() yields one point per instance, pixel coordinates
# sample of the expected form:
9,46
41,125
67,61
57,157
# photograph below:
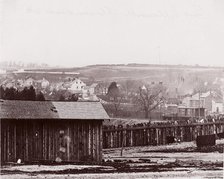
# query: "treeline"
30,94
25,94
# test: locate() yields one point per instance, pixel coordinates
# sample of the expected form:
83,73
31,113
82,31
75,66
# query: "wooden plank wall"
156,135
50,140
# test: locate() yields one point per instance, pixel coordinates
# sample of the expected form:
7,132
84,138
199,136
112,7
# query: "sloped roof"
12,109
202,95
218,100
94,85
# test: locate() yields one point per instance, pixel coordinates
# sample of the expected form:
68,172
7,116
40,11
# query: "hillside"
136,71
177,78
180,77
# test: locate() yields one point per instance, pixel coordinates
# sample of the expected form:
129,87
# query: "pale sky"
84,32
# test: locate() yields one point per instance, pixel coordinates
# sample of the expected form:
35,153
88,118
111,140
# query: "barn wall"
50,140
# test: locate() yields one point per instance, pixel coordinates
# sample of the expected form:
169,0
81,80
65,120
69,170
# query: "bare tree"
127,85
149,98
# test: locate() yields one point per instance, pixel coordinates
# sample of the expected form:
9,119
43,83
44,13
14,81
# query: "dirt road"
182,160
179,174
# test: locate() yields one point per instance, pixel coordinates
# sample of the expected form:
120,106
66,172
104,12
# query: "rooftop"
12,109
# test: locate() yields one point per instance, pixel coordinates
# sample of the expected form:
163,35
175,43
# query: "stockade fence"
128,136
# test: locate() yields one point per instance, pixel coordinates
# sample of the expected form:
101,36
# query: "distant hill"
179,78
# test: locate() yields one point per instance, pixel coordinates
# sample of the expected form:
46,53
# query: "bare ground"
182,160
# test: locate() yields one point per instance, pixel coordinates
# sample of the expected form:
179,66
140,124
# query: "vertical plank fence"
156,135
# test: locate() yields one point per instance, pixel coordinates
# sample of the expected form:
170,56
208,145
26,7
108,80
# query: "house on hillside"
44,83
89,91
35,131
76,85
29,82
57,86
9,84
101,89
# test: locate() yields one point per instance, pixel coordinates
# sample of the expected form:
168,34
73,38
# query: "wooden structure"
114,137
185,113
51,131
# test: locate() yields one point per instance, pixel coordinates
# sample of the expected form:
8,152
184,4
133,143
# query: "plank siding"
40,140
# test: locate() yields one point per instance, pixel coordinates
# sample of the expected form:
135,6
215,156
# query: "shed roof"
12,109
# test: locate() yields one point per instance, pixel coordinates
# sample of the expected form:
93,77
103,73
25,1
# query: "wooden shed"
51,131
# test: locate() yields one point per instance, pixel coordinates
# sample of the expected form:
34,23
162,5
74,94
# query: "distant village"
71,86
123,99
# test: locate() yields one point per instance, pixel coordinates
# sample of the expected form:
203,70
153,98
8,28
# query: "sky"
84,32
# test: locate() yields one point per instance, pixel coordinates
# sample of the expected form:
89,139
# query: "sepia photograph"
130,89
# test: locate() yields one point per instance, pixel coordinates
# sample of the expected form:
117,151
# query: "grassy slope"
170,75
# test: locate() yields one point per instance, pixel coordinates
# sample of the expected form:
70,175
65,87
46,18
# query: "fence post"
123,139
154,135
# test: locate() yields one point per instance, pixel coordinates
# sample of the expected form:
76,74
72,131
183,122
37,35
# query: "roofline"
191,107
52,119
2,100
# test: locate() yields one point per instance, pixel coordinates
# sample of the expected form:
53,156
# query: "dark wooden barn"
51,131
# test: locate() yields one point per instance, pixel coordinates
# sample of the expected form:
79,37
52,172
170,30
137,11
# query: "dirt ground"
182,160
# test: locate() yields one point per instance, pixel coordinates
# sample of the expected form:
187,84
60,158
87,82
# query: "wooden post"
101,141
68,144
122,144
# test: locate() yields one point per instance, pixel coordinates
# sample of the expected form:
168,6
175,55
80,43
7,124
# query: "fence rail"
114,137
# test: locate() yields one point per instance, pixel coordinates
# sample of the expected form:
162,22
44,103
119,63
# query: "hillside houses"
11,83
73,86
77,86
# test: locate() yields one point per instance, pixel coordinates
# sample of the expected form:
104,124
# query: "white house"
89,91
76,85
44,83
2,71
217,106
210,100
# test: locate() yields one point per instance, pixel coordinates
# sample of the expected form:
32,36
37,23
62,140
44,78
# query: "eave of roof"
52,110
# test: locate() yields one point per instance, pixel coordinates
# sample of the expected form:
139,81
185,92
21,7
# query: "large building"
178,112
211,101
51,131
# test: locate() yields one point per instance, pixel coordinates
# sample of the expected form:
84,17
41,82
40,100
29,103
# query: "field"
183,160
